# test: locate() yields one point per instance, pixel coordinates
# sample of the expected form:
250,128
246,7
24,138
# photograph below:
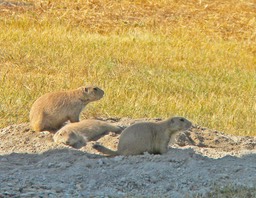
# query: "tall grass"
194,59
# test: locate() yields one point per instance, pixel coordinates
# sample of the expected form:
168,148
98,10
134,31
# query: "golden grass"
153,58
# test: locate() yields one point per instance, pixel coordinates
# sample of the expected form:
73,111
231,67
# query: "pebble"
118,158
4,159
100,162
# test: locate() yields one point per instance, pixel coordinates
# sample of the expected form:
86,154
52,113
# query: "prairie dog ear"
171,122
86,89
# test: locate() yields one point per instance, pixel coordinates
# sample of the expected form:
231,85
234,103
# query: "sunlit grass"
147,70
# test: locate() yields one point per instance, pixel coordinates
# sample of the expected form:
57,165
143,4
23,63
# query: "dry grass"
231,191
153,58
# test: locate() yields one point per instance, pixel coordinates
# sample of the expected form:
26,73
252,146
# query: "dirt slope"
201,161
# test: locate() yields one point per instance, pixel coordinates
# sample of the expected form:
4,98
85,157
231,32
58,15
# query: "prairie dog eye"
182,120
95,88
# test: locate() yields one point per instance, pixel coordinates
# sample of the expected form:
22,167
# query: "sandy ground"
200,161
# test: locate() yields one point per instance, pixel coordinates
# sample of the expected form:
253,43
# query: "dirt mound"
200,161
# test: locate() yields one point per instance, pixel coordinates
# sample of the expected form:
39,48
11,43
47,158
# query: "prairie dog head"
178,124
70,138
92,93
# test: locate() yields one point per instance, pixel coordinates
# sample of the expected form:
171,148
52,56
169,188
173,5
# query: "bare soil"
201,161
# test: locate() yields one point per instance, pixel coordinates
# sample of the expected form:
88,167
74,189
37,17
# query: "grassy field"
153,58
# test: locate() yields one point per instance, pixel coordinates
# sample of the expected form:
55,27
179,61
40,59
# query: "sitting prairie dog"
51,110
78,133
147,137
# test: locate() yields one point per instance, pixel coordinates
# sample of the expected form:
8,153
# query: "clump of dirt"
200,160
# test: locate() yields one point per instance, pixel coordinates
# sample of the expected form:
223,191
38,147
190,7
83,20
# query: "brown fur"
147,137
77,134
52,110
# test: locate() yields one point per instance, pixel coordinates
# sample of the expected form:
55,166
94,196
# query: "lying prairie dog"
79,133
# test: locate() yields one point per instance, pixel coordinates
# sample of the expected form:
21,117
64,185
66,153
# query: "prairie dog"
51,110
147,137
78,133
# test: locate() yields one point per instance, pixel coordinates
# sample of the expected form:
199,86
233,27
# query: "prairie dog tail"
105,150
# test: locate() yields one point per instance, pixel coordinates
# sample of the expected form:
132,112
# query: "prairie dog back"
147,137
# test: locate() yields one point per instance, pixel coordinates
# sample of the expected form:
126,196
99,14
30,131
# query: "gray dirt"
201,161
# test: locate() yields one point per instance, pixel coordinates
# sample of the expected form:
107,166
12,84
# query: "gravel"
201,163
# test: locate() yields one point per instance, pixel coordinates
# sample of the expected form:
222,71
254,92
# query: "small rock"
100,162
118,158
4,159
